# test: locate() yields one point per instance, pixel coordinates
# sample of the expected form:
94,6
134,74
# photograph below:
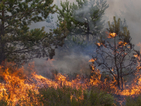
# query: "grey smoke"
68,64
124,9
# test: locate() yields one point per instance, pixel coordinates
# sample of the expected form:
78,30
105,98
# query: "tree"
116,55
84,22
83,17
17,42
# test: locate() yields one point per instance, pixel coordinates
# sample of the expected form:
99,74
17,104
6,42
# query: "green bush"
3,103
65,96
130,101
95,97
59,96
62,97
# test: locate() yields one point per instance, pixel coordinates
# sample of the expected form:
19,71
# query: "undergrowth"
67,96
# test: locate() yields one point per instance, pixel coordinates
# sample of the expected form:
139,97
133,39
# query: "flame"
18,87
139,44
99,44
129,89
112,35
15,85
92,60
122,43
135,55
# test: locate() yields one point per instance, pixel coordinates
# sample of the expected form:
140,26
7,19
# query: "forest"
78,58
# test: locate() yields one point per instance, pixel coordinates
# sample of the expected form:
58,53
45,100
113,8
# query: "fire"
135,55
122,43
92,60
99,44
139,44
18,86
112,35
15,86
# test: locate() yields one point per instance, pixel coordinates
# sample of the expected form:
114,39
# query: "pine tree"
83,18
116,55
17,42
84,22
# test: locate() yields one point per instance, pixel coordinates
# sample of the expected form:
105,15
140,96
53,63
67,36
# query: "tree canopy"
84,23
83,18
17,42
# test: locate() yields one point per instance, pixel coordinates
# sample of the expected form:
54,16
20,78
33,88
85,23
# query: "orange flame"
92,60
99,44
112,35
139,44
17,86
122,43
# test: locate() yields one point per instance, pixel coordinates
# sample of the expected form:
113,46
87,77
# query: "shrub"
130,101
67,96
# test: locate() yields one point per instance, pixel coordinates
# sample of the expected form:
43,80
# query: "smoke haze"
130,10
124,9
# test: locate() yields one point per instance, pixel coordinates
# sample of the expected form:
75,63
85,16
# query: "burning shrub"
116,55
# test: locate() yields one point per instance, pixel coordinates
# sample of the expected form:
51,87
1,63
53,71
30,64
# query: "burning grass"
17,88
20,88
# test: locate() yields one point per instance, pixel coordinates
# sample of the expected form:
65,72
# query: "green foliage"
120,29
18,43
62,97
78,19
59,96
65,96
3,103
83,20
136,101
95,97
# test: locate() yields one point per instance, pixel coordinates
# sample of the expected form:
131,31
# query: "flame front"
14,88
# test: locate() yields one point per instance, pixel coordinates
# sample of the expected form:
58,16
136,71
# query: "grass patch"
136,101
67,96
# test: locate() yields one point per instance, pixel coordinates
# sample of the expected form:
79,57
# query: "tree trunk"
88,34
118,80
121,79
115,60
88,31
2,42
